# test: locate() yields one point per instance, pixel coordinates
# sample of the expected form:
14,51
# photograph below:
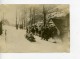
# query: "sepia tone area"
34,28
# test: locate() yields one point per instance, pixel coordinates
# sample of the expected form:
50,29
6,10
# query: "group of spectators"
45,32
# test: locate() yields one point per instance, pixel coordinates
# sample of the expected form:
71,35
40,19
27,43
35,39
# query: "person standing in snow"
39,31
55,32
5,34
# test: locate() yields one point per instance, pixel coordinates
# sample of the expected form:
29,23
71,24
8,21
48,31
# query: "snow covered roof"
59,11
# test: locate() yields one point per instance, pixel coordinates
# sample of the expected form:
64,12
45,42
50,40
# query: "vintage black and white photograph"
34,28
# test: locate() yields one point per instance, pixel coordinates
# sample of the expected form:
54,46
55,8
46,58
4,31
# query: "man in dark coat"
39,31
42,32
51,31
55,31
45,33
36,30
33,30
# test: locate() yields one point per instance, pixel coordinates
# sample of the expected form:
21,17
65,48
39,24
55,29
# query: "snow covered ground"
16,42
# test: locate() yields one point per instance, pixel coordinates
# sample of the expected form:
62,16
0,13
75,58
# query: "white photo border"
74,32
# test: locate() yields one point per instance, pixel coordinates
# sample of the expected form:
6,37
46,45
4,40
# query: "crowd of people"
45,32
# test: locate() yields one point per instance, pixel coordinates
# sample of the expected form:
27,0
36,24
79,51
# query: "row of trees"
33,17
45,13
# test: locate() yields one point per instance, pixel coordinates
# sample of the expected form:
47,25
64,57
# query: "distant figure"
16,26
45,33
55,31
21,26
42,32
51,31
33,29
5,32
39,31
36,30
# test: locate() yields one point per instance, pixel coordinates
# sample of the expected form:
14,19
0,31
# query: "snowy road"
16,42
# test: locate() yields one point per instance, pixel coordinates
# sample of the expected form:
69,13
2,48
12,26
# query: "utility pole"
44,13
30,17
33,15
